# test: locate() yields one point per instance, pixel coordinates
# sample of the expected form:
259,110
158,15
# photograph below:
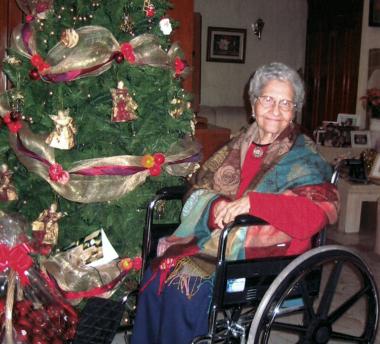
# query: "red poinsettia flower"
58,174
179,66
150,11
127,51
38,62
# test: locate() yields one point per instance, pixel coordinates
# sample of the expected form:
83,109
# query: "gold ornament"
7,190
63,135
12,60
124,107
47,223
69,38
127,24
178,107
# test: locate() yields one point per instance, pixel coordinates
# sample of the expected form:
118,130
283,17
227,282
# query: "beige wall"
283,40
370,39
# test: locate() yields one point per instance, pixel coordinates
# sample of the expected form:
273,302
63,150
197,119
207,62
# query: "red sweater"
296,216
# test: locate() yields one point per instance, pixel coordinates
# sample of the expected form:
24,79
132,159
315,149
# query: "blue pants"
170,318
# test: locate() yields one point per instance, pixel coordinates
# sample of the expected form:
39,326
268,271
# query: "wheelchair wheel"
336,313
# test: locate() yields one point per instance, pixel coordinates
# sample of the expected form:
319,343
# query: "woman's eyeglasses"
283,104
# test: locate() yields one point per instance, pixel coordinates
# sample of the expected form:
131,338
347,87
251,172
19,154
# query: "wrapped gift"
32,310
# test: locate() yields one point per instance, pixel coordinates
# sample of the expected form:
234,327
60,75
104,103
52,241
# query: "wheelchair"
281,299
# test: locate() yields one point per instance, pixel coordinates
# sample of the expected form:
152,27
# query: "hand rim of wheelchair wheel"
290,275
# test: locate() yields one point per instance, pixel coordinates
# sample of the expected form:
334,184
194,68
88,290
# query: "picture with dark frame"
374,13
226,44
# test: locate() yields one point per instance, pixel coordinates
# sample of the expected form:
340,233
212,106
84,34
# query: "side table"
352,195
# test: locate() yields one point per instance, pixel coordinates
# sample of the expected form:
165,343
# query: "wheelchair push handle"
172,192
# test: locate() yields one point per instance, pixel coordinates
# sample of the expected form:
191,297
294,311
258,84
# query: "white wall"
283,40
370,39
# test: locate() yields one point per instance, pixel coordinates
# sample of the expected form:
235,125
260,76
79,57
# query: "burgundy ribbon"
113,170
73,74
26,33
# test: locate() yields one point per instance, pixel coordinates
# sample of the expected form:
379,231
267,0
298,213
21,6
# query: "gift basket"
32,310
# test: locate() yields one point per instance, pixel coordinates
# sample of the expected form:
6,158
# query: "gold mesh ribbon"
93,54
96,188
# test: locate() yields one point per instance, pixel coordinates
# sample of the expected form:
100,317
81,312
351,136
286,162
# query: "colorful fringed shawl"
290,166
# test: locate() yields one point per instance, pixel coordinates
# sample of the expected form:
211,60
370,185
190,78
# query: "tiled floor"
362,242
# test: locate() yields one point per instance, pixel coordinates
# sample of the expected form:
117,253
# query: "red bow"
179,66
16,258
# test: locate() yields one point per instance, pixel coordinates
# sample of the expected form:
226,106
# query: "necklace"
258,152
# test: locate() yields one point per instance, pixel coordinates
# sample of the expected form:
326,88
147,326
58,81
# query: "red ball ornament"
22,335
118,57
155,170
159,158
34,75
39,340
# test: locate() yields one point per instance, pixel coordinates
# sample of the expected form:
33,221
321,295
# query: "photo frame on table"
226,44
347,119
374,13
374,173
361,139
320,137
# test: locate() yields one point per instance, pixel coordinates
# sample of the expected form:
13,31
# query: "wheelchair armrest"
240,220
172,192
248,220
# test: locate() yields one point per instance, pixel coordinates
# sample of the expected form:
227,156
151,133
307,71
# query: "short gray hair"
277,71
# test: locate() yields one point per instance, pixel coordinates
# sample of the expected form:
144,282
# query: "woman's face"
272,120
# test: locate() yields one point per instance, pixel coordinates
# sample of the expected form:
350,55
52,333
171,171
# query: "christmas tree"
96,120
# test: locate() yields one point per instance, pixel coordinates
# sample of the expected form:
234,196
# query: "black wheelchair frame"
271,289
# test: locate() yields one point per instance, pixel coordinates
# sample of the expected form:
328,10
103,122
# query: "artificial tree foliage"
90,104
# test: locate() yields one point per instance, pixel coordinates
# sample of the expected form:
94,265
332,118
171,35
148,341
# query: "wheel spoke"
307,303
287,327
329,291
346,305
347,337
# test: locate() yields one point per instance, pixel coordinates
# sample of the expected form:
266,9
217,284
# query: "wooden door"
10,16
332,59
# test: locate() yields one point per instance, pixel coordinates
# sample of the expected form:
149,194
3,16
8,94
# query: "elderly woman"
271,171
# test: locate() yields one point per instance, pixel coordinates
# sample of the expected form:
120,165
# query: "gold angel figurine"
7,190
47,224
63,135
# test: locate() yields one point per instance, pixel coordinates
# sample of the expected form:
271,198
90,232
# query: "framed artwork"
361,138
347,119
374,173
226,44
374,13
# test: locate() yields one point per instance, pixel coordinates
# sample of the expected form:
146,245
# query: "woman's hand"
226,212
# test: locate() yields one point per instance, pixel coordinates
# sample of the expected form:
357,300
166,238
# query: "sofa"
231,117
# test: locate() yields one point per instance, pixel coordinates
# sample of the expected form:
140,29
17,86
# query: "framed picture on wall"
226,44
374,13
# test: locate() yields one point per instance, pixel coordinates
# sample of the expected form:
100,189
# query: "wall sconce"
257,27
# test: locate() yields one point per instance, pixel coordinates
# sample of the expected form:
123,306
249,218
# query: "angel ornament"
7,190
64,133
124,107
46,225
